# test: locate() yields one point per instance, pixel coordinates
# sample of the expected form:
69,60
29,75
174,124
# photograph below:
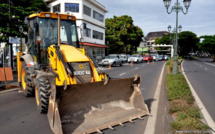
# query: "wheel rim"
24,84
37,96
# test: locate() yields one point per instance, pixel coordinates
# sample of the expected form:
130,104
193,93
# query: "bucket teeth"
131,120
99,131
110,127
121,124
141,118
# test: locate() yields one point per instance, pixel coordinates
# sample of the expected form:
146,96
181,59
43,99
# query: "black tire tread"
29,92
44,93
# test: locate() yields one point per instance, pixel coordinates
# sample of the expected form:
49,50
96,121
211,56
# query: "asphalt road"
201,74
19,114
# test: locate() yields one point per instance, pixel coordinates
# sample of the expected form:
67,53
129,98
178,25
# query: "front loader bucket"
91,107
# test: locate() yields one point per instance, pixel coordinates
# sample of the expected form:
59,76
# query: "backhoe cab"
65,81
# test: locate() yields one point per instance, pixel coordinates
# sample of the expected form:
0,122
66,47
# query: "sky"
151,15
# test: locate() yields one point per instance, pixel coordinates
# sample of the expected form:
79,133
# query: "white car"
111,60
123,58
135,59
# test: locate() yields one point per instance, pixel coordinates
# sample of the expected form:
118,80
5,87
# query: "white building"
90,16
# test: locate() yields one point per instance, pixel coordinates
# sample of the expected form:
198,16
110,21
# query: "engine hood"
73,54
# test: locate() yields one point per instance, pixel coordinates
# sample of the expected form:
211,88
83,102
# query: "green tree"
207,44
187,43
12,16
166,39
122,36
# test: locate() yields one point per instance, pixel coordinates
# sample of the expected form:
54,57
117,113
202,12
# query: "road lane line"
122,74
9,90
200,104
151,122
136,68
210,64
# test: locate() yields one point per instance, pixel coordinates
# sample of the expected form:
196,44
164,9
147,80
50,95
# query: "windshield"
48,32
135,56
110,57
43,32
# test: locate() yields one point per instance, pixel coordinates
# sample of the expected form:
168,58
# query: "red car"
147,58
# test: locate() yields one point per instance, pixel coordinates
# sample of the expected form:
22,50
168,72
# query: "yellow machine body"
72,55
92,105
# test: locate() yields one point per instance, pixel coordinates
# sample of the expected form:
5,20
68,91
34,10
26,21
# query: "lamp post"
176,8
173,31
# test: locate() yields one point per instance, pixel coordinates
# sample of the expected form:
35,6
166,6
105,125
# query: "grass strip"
186,115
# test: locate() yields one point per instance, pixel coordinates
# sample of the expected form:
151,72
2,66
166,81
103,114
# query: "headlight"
110,61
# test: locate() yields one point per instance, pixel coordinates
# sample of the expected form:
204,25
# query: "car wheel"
113,64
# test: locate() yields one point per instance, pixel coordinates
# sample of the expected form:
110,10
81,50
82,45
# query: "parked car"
123,58
166,57
135,58
155,57
111,60
160,57
147,58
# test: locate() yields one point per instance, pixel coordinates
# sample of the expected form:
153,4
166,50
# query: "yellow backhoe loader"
66,83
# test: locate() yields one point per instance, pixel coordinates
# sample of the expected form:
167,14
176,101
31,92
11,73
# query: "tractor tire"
27,82
42,94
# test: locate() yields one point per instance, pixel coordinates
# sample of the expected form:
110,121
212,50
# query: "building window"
72,7
56,8
87,32
87,10
97,35
98,16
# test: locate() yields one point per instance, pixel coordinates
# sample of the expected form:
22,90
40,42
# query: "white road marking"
210,64
122,74
9,90
201,106
136,68
151,122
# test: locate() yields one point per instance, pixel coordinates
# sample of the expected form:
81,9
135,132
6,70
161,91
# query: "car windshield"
110,57
122,56
135,56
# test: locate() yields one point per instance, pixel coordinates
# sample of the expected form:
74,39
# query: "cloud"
151,15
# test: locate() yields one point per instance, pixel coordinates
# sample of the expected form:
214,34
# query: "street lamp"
179,28
174,30
172,33
169,28
176,8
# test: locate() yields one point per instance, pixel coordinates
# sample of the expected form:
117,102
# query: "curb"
201,106
151,122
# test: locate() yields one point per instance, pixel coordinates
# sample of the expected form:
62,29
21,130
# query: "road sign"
14,40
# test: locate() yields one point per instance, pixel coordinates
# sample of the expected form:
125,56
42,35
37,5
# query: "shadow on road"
149,103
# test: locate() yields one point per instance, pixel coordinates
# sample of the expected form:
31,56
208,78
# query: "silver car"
111,60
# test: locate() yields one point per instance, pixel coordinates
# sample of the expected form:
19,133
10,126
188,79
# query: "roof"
154,35
94,2
98,4
93,45
52,15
